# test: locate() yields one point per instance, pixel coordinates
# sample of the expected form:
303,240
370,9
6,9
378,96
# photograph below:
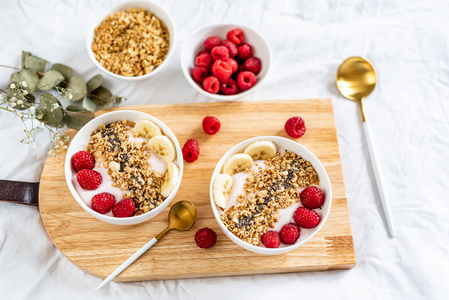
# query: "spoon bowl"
182,215
356,78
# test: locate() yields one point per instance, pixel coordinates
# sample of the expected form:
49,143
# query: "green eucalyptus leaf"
36,63
49,80
76,89
76,116
24,57
66,71
101,96
75,108
51,110
18,101
89,104
117,99
94,83
27,75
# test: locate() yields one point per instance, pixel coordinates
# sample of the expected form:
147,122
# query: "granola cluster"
131,43
127,164
267,191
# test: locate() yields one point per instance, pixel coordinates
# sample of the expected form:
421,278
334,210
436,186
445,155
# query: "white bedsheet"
408,112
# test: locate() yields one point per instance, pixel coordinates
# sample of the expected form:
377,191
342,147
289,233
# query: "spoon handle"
378,177
129,261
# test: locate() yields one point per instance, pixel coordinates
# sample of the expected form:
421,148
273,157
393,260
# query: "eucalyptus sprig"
29,97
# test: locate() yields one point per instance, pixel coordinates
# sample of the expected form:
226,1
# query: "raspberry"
203,52
89,179
234,65
82,160
191,150
198,74
204,60
124,208
205,237
312,197
246,80
220,53
232,49
103,202
211,84
211,125
211,42
295,127
271,239
289,233
306,218
230,87
236,36
222,70
244,51
253,64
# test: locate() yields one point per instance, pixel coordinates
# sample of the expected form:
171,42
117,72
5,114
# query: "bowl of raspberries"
225,62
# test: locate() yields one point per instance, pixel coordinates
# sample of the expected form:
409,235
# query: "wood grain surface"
99,248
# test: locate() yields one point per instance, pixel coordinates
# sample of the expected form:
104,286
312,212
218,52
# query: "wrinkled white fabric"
408,113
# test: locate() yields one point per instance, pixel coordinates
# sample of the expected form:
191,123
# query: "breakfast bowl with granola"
133,41
270,195
124,167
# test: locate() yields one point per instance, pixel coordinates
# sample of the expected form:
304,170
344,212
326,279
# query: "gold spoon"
181,217
356,79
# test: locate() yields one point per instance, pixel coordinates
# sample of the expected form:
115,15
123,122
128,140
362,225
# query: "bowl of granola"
133,41
124,167
270,195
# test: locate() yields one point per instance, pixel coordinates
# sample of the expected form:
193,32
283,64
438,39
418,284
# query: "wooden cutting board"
99,248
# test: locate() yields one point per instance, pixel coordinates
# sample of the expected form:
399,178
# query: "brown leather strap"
19,192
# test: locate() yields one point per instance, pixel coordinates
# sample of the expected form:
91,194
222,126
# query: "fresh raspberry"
89,179
271,239
203,52
205,237
220,53
229,87
295,127
222,70
198,74
234,65
306,218
232,49
103,202
312,197
211,125
253,64
204,60
211,84
191,150
244,51
236,36
211,42
124,208
289,233
82,160
246,80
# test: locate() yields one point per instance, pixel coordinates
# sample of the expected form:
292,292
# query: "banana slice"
262,149
163,147
237,163
221,189
147,129
171,178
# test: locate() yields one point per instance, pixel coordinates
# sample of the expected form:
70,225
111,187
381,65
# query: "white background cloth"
408,113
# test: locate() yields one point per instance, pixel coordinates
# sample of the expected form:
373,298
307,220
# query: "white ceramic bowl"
149,6
83,137
325,186
194,44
